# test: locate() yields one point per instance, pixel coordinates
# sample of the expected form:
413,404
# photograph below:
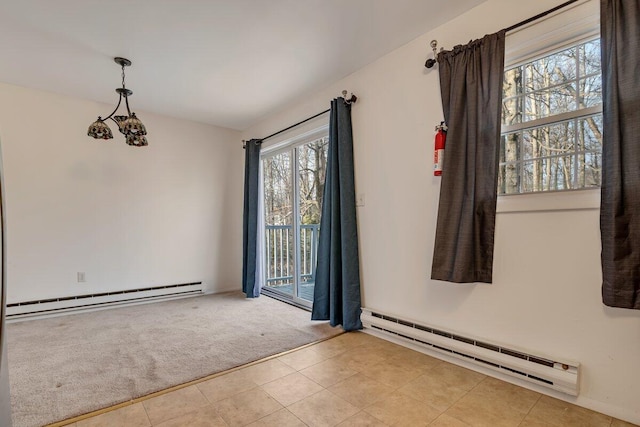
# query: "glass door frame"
291,146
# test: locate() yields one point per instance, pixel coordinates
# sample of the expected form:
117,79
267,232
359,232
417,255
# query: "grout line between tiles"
147,414
534,405
530,409
458,400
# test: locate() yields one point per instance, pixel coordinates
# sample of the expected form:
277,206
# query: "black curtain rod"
351,100
297,124
434,44
539,16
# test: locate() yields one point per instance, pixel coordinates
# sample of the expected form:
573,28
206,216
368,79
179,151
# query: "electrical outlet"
360,199
81,277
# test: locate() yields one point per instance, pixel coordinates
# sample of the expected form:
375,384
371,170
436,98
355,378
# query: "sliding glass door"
293,186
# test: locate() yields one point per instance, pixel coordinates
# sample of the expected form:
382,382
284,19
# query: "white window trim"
556,118
578,23
553,34
300,139
581,199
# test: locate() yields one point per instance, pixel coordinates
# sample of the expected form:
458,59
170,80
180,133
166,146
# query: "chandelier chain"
123,76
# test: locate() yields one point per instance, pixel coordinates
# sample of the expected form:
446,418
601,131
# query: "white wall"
128,217
546,291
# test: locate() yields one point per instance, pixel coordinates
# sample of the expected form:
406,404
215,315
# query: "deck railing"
279,250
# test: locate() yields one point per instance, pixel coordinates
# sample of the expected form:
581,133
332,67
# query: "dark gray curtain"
471,89
250,218
620,205
337,290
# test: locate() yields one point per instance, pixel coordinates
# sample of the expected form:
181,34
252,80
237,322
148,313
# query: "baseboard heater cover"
87,301
560,375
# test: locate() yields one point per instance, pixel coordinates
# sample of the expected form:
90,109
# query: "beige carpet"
66,366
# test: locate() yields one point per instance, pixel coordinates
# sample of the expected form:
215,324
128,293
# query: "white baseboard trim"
55,309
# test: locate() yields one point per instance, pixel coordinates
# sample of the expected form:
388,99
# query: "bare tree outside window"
552,122
277,189
278,184
293,190
312,166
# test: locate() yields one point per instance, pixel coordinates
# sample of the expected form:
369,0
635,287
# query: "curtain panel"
337,289
250,247
620,201
471,88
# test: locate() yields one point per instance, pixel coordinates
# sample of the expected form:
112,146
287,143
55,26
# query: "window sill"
552,201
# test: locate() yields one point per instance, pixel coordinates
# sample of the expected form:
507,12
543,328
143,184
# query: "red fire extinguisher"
438,152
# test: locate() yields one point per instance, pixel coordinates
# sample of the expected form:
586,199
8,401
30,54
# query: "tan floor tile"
225,386
401,410
433,390
533,423
246,407
386,349
174,404
390,373
359,358
360,390
517,397
290,389
455,375
301,359
323,409
330,348
133,415
328,372
620,423
485,411
265,372
562,414
362,419
445,420
206,416
360,371
281,418
415,360
356,338
537,423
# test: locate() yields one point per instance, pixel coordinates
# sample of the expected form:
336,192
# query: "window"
552,122
293,176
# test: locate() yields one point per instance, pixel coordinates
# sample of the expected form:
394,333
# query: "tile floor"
352,380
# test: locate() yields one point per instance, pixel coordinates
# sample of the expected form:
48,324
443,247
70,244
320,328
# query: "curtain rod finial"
432,61
350,100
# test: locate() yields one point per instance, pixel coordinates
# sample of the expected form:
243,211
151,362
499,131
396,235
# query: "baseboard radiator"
555,374
95,300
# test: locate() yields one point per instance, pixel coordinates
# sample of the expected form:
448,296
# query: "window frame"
538,40
288,145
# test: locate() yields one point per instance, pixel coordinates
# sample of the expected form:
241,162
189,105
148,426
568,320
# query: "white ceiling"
224,62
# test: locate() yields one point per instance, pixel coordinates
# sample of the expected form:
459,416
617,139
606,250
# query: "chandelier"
130,126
